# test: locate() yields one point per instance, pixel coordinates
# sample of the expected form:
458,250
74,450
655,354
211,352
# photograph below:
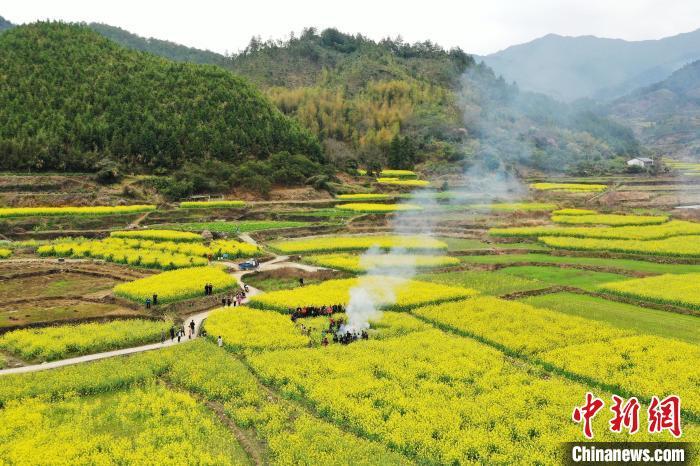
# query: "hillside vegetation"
72,100
405,103
390,103
370,104
666,115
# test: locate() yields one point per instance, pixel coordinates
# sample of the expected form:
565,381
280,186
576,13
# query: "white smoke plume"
373,290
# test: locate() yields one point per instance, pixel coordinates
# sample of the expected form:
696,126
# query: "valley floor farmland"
486,343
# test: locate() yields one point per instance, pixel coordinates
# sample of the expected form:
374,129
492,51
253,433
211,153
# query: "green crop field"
623,264
583,279
622,315
496,284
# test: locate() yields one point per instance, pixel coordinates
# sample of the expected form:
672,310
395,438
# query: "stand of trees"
71,99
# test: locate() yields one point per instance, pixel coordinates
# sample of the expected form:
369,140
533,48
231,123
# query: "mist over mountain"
570,68
665,115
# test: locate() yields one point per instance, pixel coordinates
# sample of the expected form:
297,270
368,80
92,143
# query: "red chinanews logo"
662,414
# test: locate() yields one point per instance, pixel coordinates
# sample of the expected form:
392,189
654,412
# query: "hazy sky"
478,26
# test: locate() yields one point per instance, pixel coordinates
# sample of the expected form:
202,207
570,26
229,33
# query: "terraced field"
371,343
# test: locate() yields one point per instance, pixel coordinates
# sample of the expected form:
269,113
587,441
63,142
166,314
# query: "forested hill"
163,48
666,115
370,103
396,103
360,96
71,99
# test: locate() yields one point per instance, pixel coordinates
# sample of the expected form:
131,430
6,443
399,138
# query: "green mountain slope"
666,115
71,99
364,99
359,96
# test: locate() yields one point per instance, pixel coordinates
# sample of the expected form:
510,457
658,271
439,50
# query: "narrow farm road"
198,318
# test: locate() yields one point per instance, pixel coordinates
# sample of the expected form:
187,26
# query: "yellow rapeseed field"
390,292
152,254
147,425
5,253
574,212
678,289
610,219
176,285
158,235
390,173
517,327
674,246
358,243
569,187
369,207
436,398
403,182
50,343
357,263
120,252
644,365
243,328
645,232
67,211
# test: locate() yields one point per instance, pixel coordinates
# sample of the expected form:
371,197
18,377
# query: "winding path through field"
277,262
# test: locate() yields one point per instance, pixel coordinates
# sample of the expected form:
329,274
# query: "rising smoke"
379,286
486,180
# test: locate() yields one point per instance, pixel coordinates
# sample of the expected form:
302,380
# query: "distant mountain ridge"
570,68
665,115
5,24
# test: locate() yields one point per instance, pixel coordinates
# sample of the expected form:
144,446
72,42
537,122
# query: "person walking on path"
192,325
155,299
148,303
179,335
172,333
220,341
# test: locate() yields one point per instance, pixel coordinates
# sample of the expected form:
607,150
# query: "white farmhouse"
642,162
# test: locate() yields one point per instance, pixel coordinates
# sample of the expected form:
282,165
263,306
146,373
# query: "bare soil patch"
288,277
